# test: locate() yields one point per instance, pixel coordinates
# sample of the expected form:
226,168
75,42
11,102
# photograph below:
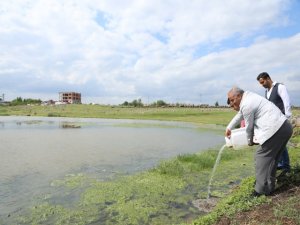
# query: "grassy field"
195,115
163,195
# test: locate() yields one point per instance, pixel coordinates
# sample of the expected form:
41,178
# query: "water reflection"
36,151
65,125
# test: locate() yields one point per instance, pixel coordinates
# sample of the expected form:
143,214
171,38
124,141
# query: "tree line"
160,103
25,101
139,103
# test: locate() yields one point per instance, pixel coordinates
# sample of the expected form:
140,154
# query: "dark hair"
263,75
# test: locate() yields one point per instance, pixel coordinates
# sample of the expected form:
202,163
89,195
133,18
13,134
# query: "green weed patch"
162,195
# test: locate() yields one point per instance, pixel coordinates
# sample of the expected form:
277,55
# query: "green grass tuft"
239,200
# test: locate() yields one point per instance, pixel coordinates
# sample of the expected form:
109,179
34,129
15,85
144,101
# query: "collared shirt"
262,118
282,92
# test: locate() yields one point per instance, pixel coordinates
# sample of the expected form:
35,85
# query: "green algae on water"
162,195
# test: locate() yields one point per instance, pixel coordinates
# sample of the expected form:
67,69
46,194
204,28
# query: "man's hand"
250,142
228,133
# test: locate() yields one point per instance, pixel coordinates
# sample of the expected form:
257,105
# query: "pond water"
37,150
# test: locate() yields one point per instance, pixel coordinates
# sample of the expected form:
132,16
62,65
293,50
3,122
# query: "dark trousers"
267,156
284,161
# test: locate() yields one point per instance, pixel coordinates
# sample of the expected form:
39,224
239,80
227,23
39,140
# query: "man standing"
277,93
271,129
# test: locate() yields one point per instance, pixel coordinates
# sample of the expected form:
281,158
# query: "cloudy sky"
175,50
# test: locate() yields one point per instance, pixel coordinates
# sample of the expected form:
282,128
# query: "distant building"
49,102
70,97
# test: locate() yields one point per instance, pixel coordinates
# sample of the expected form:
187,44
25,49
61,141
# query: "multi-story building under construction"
70,97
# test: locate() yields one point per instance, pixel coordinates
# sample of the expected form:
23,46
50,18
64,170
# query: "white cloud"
113,50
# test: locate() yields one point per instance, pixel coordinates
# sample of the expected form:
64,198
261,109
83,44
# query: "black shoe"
286,169
279,168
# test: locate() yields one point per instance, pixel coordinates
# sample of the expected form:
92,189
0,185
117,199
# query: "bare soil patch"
264,214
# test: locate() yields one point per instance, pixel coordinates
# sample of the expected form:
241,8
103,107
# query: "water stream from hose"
213,171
